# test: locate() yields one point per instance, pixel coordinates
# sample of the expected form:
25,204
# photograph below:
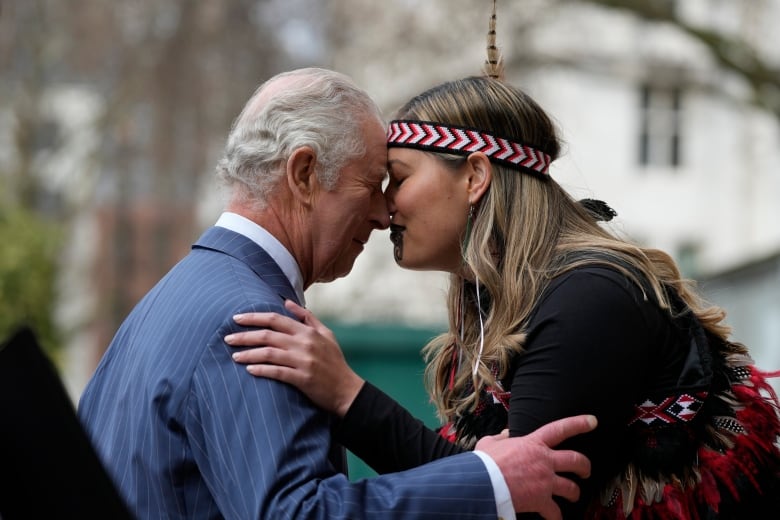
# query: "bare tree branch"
733,54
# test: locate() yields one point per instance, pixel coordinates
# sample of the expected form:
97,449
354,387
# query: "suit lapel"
245,250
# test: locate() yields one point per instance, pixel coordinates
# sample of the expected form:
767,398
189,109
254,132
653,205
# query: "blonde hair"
526,231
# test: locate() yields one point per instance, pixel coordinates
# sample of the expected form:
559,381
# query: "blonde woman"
550,315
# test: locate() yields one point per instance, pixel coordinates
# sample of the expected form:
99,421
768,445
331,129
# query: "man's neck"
286,227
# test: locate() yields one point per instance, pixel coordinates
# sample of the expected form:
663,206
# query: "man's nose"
390,200
379,215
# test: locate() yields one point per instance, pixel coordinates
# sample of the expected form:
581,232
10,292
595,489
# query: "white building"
653,125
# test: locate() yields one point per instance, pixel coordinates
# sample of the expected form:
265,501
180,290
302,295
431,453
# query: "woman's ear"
301,174
479,175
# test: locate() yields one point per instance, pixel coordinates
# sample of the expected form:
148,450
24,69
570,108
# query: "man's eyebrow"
380,173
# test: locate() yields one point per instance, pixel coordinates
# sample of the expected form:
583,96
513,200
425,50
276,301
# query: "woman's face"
428,203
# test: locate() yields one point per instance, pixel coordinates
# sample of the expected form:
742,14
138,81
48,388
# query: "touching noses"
390,200
379,216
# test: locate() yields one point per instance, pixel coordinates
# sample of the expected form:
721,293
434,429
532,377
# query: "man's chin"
340,271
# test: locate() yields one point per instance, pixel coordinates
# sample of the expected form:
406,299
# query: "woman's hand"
304,354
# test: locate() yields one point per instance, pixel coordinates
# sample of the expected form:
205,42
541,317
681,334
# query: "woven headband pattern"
436,137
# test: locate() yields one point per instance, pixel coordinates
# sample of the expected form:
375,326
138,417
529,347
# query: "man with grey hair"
187,433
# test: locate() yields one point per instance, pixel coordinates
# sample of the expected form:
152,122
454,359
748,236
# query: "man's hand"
531,466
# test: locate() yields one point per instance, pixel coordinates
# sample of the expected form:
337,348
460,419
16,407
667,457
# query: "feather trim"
724,476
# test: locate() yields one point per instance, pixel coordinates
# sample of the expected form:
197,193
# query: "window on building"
659,136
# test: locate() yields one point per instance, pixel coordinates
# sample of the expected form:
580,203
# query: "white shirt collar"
272,246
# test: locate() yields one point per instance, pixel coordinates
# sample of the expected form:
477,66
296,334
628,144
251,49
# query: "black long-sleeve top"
595,344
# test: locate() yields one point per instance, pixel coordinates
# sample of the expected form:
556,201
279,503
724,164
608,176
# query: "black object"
598,209
48,467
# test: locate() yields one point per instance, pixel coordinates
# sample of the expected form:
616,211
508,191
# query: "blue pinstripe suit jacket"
187,433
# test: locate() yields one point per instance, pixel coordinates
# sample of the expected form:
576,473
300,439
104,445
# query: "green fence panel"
390,357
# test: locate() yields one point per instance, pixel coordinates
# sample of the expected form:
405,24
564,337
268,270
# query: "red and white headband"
435,137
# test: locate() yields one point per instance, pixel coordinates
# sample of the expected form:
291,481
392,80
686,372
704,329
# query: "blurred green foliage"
29,255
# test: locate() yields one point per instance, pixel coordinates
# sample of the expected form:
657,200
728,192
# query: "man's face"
345,216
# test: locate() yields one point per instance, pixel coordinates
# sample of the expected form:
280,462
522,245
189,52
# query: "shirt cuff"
504,506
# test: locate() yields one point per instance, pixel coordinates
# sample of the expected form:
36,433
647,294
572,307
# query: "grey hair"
318,108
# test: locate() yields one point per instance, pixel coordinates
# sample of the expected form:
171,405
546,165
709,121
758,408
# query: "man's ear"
479,176
301,174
